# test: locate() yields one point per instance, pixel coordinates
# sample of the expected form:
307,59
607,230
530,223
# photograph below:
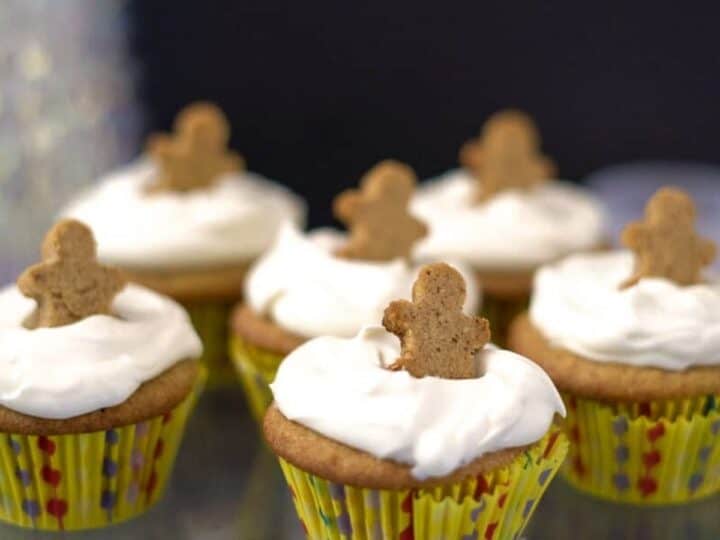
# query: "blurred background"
316,95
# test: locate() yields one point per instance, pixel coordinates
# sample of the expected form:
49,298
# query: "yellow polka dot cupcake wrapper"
495,506
89,480
664,452
257,369
210,320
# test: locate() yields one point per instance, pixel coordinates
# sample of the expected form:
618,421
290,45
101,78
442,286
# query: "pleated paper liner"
500,312
495,506
257,369
210,320
664,452
89,480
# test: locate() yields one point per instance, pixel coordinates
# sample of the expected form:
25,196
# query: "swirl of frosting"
305,289
66,371
516,228
233,220
342,389
578,306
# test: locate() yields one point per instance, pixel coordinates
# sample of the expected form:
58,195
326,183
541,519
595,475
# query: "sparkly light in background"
67,112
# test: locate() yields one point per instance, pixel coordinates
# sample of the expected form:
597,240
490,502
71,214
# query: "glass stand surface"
228,487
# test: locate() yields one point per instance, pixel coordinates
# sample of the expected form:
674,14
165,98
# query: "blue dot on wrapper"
528,507
475,514
373,500
620,426
621,481
705,452
31,508
695,482
622,454
107,500
344,525
109,468
23,476
14,446
112,437
337,492
544,476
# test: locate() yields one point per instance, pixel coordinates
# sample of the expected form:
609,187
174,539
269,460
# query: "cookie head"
510,132
441,285
205,124
390,180
69,240
670,205
437,338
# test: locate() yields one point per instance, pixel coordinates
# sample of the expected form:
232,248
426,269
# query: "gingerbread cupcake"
436,434
97,380
632,339
326,282
503,214
187,220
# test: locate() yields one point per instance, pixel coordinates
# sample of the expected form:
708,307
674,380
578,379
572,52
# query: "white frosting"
305,289
578,306
231,221
97,362
339,388
514,229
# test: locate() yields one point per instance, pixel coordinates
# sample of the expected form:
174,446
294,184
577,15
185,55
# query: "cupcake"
632,340
96,383
502,214
187,220
326,282
436,434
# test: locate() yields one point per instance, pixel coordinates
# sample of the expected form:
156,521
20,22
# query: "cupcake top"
80,341
329,283
650,306
434,400
502,211
188,204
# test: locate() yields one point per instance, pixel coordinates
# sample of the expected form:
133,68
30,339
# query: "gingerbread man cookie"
666,244
506,155
196,154
69,284
381,228
438,339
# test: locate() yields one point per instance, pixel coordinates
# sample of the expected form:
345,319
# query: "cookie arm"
396,320
548,168
29,281
470,155
347,205
708,251
482,332
633,235
397,317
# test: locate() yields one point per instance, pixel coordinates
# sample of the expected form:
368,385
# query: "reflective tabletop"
227,486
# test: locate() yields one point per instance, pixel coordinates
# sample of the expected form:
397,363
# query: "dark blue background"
317,92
